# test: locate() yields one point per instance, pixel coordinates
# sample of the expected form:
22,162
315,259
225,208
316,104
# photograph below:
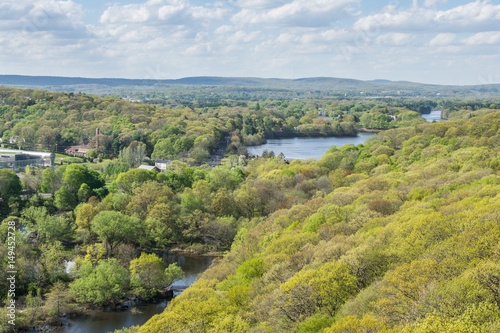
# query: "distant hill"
23,80
374,87
380,81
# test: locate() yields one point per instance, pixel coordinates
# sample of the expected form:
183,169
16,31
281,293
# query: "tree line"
398,235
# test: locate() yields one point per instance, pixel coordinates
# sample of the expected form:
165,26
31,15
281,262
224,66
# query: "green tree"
65,199
223,203
247,200
147,275
114,228
50,181
59,301
84,193
74,177
134,154
131,179
84,216
147,195
10,187
49,228
103,284
200,154
54,228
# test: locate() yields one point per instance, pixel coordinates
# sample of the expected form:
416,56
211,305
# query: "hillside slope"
344,85
402,235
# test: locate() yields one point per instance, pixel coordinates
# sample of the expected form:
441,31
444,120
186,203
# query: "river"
304,148
109,321
435,115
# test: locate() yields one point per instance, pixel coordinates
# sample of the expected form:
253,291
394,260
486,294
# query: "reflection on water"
305,148
435,115
192,266
109,321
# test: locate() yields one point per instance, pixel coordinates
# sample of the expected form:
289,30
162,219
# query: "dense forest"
393,235
189,130
398,235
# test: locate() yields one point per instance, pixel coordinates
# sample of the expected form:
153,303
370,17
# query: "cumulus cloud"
443,39
470,17
487,37
395,39
35,16
176,38
175,12
260,4
328,36
13,10
432,3
306,13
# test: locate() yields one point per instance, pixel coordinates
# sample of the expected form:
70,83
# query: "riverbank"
303,148
370,130
138,312
197,252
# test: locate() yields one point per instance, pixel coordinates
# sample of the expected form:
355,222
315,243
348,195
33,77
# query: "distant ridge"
26,80
381,87
380,81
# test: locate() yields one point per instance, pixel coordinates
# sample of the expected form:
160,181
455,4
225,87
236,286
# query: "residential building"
162,164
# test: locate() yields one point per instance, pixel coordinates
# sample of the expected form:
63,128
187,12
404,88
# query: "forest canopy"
402,236
387,236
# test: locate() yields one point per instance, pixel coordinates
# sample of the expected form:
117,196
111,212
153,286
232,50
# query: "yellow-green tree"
147,275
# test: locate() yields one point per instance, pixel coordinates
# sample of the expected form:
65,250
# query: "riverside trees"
405,240
312,244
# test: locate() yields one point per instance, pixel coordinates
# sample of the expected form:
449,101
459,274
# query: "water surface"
109,321
304,148
435,115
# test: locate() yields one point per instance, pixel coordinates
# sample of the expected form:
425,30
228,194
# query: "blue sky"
430,41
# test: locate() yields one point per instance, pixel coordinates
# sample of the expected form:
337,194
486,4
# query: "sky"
427,41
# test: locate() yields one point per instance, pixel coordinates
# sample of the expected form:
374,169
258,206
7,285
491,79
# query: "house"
148,167
162,164
77,150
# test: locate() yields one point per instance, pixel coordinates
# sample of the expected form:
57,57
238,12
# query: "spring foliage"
401,235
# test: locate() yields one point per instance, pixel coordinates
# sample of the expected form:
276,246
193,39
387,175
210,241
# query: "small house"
148,167
162,164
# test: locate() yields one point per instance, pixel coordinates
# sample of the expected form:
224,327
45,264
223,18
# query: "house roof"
147,167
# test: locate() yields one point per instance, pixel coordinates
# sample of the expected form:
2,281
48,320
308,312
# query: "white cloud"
125,14
201,49
241,36
223,29
328,36
270,38
35,16
395,39
471,17
487,37
12,10
443,39
433,3
175,12
306,13
260,4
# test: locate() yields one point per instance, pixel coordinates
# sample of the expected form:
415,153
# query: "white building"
162,164
19,159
